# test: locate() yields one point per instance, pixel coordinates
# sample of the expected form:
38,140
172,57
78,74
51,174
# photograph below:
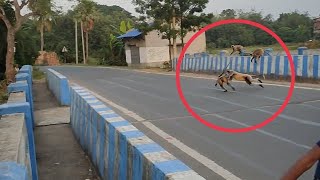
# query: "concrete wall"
118,149
306,66
59,85
17,148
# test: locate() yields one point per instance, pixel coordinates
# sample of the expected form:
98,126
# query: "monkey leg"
221,85
248,81
252,59
231,86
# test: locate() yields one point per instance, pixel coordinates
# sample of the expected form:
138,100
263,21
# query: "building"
151,50
316,27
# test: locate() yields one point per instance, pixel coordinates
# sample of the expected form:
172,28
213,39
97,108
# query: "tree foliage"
291,27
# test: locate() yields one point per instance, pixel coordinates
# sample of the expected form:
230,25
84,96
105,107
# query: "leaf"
123,28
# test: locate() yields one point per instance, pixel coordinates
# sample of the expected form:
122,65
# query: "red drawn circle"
235,130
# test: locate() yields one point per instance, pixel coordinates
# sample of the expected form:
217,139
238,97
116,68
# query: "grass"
37,74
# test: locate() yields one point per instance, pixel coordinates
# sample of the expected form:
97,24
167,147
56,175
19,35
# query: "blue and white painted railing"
306,66
17,152
59,85
118,149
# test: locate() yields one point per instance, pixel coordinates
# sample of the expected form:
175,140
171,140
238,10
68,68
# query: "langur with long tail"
256,54
236,48
249,79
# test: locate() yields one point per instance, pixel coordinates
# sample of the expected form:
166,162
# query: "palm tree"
44,24
85,12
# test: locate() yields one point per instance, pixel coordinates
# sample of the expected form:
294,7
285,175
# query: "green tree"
14,25
44,23
86,12
187,18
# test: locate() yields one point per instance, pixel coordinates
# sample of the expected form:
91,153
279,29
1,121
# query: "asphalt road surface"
264,154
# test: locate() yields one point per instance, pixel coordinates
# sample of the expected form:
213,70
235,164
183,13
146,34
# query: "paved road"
259,155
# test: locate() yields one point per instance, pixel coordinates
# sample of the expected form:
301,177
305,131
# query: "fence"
306,66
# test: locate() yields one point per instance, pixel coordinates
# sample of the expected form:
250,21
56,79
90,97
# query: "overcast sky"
274,7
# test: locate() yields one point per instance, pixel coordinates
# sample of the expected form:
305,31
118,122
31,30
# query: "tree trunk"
10,73
181,32
87,45
41,34
76,37
83,45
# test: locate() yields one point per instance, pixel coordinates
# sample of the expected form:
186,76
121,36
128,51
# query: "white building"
151,50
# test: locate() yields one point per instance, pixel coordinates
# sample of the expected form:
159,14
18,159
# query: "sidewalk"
59,155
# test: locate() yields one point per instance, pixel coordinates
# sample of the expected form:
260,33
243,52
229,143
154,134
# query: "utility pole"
83,44
76,38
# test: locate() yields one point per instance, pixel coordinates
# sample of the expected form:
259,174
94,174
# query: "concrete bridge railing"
59,85
17,147
117,149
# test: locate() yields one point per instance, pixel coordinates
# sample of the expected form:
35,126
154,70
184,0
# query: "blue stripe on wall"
123,157
305,66
315,66
111,152
269,65
255,67
286,66
149,148
203,63
196,64
102,124
225,63
277,67
248,65
295,59
137,164
216,63
242,65
221,63
94,137
187,65
262,65
231,63
120,123
211,67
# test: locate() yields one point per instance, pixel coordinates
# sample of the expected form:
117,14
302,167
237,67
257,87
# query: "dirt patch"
42,97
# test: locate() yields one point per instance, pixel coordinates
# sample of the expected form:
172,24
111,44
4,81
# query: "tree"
86,12
44,23
187,18
14,25
163,14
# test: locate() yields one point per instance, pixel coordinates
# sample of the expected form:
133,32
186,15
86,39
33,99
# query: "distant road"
260,155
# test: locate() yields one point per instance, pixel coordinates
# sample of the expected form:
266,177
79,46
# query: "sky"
274,7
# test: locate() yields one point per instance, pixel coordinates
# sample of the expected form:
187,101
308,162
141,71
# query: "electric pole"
76,38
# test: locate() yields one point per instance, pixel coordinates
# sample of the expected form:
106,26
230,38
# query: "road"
258,155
